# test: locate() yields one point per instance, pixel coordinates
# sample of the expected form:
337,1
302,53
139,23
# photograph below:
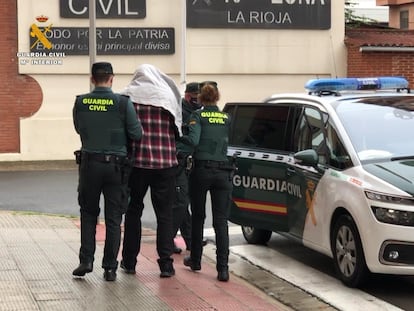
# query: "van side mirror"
308,157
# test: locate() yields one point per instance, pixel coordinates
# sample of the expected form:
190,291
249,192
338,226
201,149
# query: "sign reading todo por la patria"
109,41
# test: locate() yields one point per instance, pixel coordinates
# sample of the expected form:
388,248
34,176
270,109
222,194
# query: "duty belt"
104,158
182,155
213,164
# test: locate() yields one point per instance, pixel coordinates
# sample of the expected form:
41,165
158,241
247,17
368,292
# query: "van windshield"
379,127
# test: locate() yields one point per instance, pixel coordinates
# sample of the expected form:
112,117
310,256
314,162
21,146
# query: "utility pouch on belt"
189,163
233,163
78,156
127,168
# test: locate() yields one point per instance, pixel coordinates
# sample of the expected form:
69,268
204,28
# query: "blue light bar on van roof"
356,84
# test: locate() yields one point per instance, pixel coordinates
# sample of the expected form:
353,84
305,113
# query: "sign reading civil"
104,8
271,14
109,41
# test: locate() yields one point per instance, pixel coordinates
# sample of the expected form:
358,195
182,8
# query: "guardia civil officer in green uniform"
208,133
181,214
106,122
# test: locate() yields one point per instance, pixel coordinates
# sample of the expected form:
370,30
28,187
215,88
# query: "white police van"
333,168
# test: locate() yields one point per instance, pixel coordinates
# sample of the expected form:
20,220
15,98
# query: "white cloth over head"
150,86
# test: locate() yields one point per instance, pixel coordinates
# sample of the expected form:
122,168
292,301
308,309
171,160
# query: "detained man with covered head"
156,98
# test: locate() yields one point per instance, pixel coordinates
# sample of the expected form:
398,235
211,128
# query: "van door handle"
290,171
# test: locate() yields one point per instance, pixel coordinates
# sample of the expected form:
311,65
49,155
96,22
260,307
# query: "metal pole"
92,35
92,44
183,44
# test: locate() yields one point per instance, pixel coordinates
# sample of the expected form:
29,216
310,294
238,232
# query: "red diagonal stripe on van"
262,207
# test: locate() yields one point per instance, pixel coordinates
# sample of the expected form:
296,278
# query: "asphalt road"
53,192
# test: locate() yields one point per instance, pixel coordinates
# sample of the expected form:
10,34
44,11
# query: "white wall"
248,64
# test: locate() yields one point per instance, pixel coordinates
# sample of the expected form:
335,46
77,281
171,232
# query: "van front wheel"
256,236
348,254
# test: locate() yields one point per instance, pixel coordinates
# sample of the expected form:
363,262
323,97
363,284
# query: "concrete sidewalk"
39,252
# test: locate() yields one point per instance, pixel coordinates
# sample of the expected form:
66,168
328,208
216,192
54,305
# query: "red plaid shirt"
156,149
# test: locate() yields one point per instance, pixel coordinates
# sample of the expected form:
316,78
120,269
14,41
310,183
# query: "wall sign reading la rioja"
271,14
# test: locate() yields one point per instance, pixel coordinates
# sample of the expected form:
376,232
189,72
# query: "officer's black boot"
188,262
166,267
223,275
83,268
110,275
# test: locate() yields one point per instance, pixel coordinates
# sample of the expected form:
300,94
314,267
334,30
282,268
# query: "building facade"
383,51
401,13
251,48
380,52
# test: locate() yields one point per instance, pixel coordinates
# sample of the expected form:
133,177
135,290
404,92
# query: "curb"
38,165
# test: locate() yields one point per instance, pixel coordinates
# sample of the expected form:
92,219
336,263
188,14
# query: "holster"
233,165
127,168
189,164
78,156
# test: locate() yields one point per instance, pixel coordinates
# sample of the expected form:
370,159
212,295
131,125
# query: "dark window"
310,133
316,132
404,20
338,156
262,126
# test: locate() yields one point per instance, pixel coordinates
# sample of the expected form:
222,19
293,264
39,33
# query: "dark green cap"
102,68
193,87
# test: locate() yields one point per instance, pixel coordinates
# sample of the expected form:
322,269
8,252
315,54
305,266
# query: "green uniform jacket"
103,124
208,133
187,109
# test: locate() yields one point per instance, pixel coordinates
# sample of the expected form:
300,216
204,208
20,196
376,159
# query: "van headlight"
382,197
393,216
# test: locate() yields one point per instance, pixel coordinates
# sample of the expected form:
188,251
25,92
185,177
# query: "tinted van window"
260,126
